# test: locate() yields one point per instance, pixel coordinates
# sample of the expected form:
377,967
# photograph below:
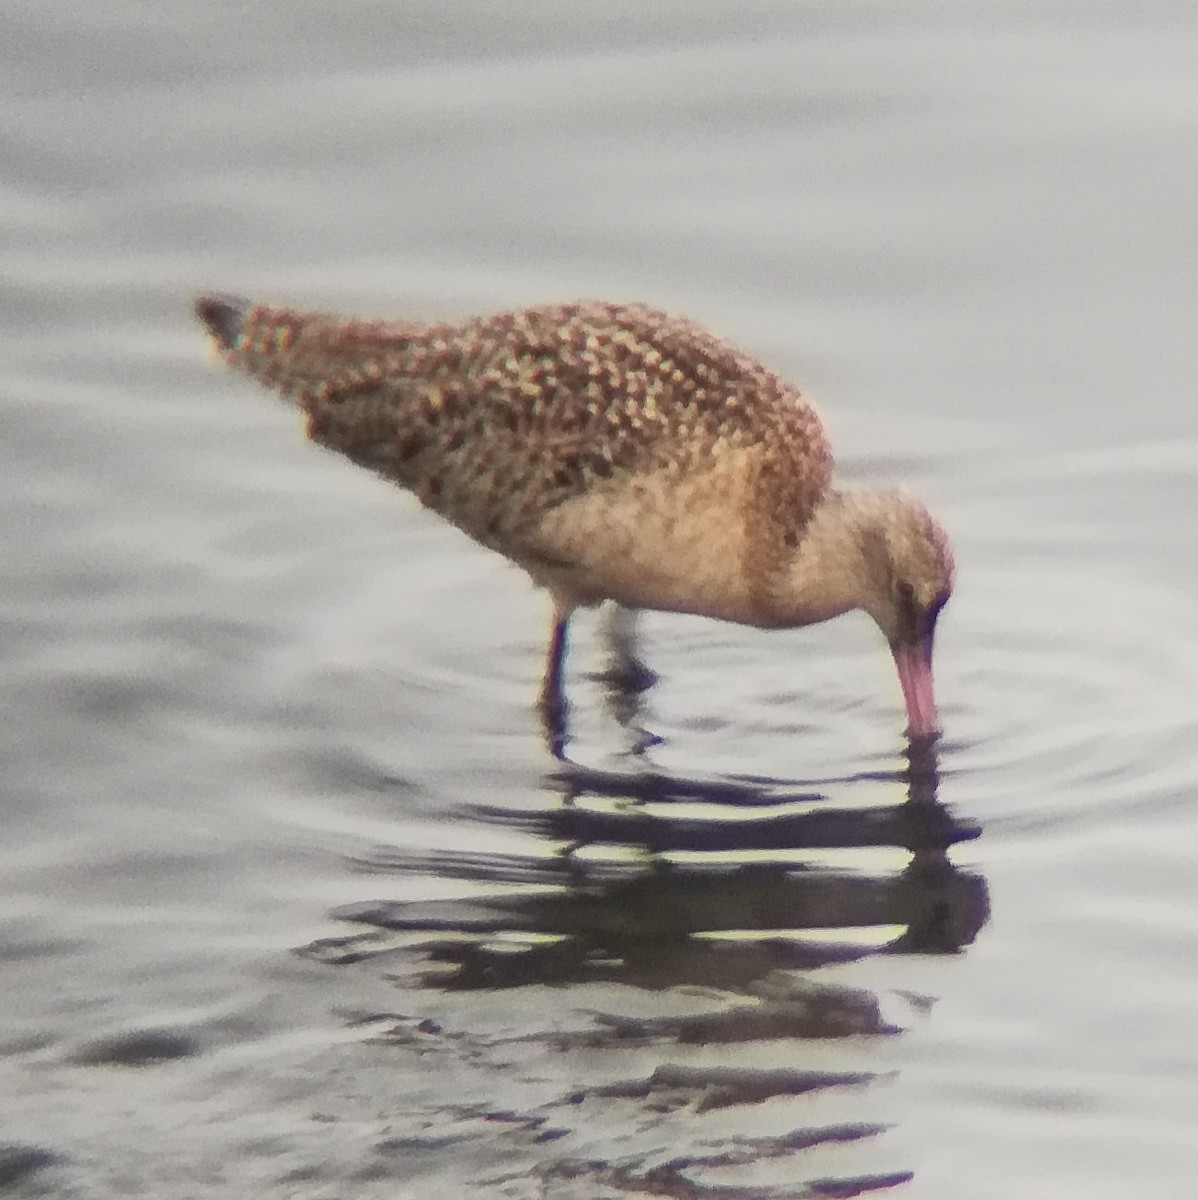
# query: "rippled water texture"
294,901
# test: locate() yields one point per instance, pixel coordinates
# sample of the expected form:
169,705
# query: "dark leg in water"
627,678
626,672
553,698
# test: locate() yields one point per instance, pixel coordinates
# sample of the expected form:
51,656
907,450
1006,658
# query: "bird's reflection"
741,888
658,881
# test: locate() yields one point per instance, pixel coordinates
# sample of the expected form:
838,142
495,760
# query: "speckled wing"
497,421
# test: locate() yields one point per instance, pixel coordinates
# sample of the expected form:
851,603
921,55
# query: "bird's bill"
914,663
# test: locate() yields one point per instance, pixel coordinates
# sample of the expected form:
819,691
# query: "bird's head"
908,579
883,553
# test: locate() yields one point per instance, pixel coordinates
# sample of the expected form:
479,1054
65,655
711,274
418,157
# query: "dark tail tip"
224,317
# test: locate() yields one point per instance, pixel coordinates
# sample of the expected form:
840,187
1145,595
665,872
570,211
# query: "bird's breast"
671,539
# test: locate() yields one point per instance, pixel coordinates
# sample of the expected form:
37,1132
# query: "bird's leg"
626,672
627,678
553,699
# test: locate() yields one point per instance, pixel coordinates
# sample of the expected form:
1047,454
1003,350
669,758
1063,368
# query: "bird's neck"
828,572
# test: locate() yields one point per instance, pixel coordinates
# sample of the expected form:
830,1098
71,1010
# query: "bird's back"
506,422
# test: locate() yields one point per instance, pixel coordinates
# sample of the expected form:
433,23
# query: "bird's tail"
224,318
302,355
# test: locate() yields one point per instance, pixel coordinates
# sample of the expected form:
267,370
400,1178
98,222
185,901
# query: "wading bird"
614,453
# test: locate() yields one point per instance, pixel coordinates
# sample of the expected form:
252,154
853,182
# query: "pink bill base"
914,665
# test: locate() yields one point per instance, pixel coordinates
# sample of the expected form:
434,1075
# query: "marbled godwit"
615,453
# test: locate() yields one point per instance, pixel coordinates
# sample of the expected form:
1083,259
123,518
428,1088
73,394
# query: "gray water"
293,900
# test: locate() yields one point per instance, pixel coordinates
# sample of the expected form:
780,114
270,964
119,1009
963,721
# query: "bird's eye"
934,612
907,611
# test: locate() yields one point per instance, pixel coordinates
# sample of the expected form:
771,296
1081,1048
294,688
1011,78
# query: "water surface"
295,903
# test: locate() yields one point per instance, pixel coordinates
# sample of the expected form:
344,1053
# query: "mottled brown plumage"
613,452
